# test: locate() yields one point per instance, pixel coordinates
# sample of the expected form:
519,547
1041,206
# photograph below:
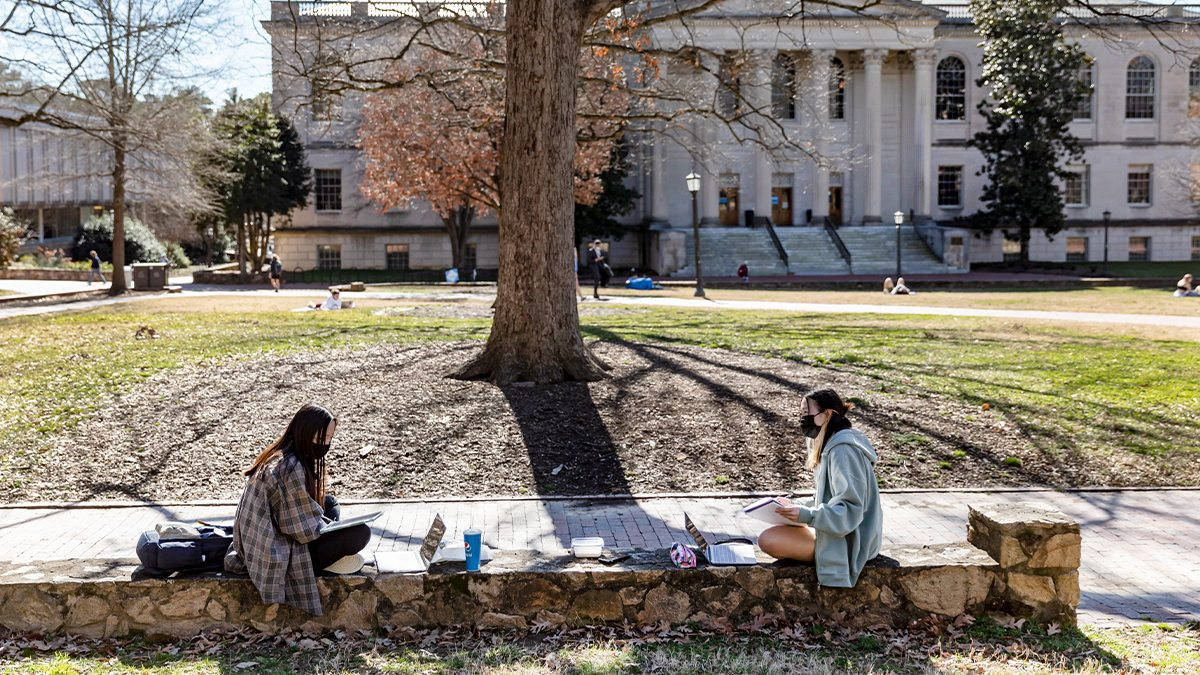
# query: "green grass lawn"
986,648
1119,394
1124,268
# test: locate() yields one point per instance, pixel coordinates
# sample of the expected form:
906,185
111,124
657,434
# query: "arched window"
1194,89
837,89
951,89
1083,109
1139,89
783,87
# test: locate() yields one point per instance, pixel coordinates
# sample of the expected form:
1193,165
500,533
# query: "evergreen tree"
599,218
1032,76
264,173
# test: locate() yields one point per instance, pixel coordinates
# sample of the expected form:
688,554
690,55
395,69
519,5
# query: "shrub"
96,235
177,257
12,234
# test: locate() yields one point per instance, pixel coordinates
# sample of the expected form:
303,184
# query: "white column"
759,95
923,115
658,195
821,130
41,225
706,131
873,66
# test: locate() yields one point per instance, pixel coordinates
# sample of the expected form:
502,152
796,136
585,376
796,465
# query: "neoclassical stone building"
870,115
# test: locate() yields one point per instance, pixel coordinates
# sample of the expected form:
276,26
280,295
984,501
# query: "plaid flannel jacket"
274,521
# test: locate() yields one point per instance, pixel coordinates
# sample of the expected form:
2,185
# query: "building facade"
50,178
873,113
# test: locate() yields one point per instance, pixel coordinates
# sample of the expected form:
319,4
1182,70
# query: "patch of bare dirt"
670,419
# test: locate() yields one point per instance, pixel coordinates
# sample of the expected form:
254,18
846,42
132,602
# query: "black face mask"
808,425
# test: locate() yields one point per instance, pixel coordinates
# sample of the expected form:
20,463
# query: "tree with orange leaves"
437,136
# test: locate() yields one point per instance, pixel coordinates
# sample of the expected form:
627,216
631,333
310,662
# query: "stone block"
664,603
1061,551
184,602
527,596
948,591
401,589
1032,590
497,620
355,612
86,610
1024,535
602,605
1066,587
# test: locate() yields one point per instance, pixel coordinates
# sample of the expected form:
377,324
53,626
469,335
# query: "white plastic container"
587,547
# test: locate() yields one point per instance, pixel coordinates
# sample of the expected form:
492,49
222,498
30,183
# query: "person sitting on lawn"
840,529
1185,288
888,285
901,288
277,536
334,301
743,272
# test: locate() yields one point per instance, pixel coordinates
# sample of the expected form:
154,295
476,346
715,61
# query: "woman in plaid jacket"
277,536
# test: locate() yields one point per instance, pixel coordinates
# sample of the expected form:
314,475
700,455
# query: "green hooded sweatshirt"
845,510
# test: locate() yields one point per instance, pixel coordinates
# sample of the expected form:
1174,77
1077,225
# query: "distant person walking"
596,260
94,271
276,273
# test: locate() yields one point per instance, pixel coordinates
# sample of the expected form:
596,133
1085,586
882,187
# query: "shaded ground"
985,646
672,418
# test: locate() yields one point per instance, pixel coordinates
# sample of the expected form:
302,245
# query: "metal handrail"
838,243
766,223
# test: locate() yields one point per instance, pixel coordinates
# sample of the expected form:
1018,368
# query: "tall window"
837,89
1195,248
1077,249
949,186
1076,188
1138,183
327,189
1083,109
783,87
470,258
728,85
1012,250
1194,89
1139,248
1139,89
329,257
951,89
397,256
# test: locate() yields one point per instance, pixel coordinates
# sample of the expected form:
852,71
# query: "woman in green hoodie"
840,529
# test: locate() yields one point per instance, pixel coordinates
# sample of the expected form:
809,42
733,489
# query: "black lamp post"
693,186
898,217
1107,219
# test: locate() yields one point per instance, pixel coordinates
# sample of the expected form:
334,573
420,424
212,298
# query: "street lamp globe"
693,182
898,217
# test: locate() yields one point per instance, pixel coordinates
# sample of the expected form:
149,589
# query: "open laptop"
720,554
413,561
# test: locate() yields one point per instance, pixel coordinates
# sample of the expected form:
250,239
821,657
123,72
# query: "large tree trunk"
241,246
535,332
458,224
118,206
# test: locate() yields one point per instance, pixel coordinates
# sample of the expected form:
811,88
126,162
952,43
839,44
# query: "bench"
1021,561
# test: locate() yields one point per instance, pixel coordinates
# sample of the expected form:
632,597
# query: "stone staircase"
873,251
723,249
811,252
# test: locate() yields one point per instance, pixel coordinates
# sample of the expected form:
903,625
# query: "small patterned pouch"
682,556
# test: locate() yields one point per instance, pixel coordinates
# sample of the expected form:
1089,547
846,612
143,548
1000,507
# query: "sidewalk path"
766,305
1141,549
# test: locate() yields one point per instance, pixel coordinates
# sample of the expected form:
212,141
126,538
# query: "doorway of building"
781,205
728,206
835,205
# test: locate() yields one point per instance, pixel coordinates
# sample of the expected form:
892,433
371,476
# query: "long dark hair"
827,400
305,440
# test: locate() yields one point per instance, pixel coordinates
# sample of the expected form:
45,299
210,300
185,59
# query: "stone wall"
47,274
517,590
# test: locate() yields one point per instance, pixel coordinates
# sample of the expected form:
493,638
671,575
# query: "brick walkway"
1141,549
